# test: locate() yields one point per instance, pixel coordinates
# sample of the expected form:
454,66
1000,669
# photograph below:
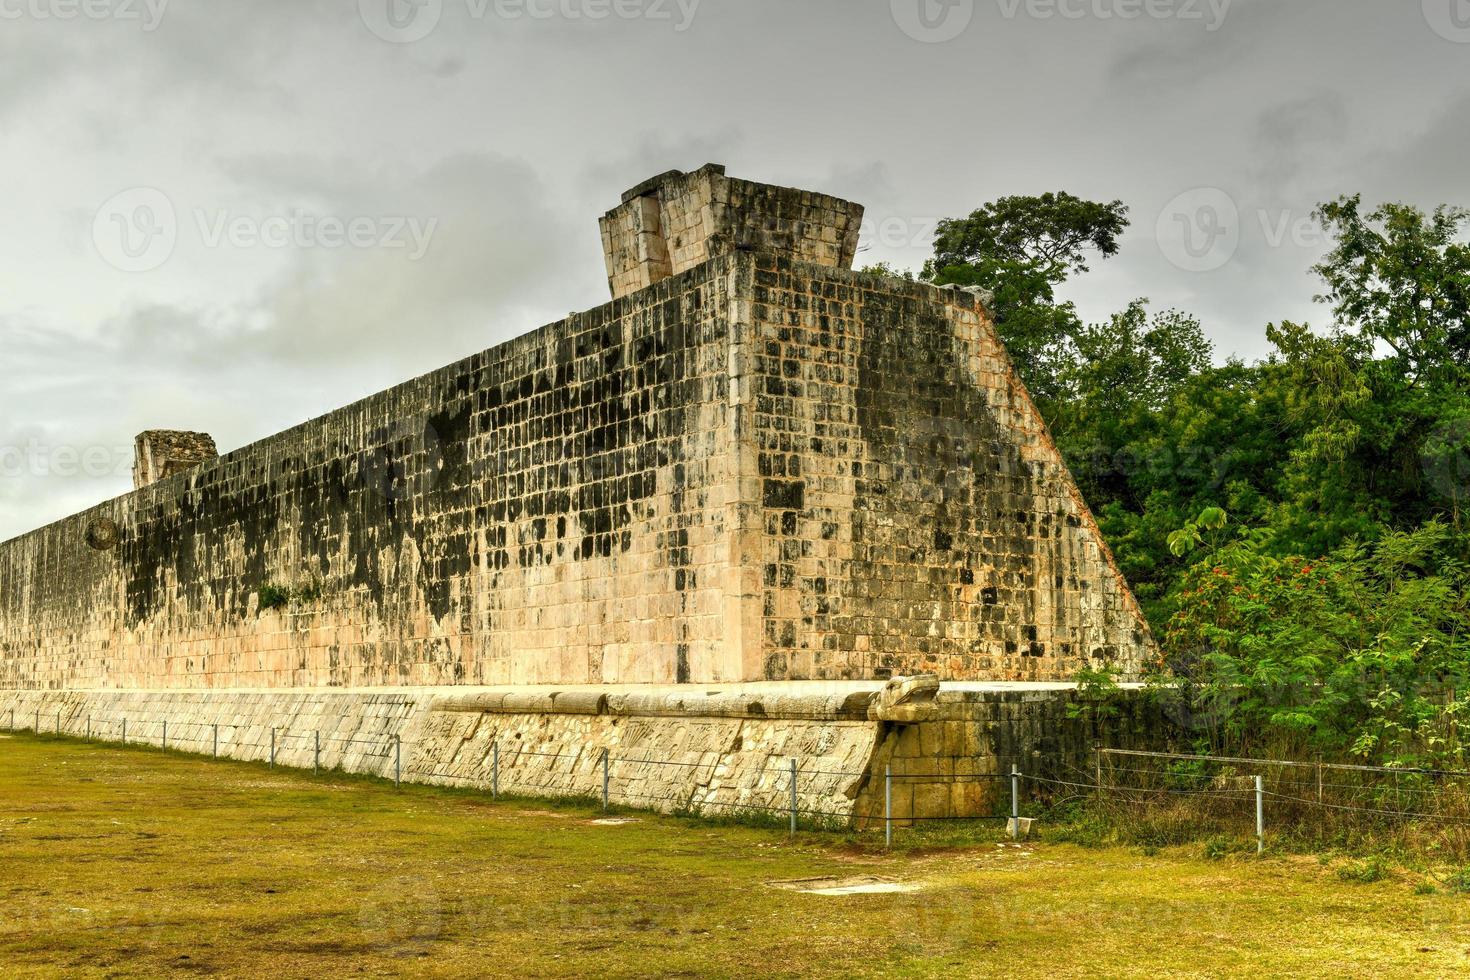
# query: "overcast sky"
233,215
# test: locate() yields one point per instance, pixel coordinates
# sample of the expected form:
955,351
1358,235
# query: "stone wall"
755,468
161,453
676,221
553,509
916,516
717,753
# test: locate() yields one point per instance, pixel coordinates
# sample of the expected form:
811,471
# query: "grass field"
135,862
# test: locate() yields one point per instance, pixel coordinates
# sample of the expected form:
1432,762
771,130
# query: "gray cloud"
514,135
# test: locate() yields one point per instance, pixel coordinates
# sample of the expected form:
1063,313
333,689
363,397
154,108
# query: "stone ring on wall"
102,534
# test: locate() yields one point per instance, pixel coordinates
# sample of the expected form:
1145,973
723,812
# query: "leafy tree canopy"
1329,606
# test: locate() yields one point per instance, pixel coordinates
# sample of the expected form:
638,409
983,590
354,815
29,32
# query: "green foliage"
1400,278
1219,847
1327,608
1053,232
1097,691
1360,650
1364,872
1192,534
272,596
1023,248
885,269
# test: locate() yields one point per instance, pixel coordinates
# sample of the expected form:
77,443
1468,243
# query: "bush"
1459,882
1363,872
273,596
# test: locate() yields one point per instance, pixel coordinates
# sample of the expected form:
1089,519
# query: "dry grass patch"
133,862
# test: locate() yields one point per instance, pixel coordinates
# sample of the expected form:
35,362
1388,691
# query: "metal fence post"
89,728
58,722
793,797
888,806
316,752
1260,818
125,730
495,770
214,741
397,762
273,748
38,721
1015,801
1098,749
605,754
165,733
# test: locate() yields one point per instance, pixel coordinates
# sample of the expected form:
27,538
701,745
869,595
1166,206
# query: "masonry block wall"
763,466
676,221
551,510
916,516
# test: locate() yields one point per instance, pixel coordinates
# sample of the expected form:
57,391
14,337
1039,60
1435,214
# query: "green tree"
1358,651
1022,248
1399,277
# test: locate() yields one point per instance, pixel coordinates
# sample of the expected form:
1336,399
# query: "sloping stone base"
725,752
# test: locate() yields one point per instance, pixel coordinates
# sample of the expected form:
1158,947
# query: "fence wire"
1435,795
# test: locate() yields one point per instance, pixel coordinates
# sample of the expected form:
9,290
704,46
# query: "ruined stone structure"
753,465
160,454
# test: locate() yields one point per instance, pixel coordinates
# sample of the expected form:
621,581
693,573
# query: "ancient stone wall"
760,466
676,221
553,509
720,753
916,516
162,453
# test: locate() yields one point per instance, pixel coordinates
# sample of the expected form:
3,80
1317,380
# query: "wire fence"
785,792
1228,791
1277,796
